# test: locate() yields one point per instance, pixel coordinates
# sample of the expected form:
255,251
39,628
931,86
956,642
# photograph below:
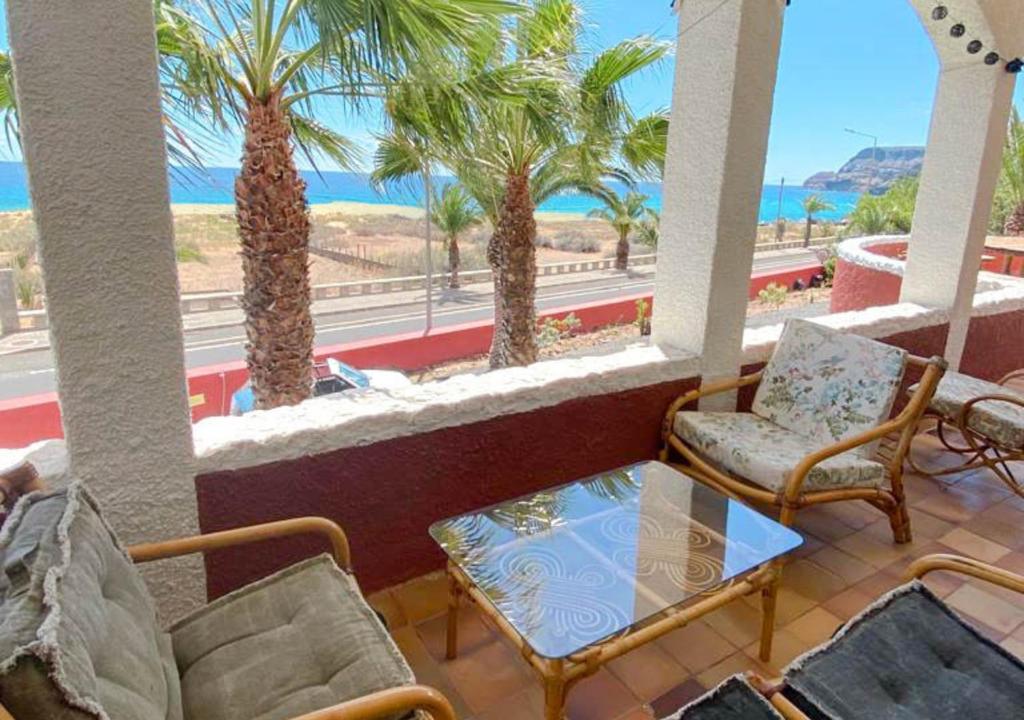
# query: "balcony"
386,465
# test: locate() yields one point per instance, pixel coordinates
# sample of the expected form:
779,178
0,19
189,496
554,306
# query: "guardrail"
206,302
230,300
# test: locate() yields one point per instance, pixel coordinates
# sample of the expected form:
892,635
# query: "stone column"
9,322
958,181
89,106
726,65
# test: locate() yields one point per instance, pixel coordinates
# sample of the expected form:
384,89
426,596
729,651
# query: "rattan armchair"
877,451
81,516
987,417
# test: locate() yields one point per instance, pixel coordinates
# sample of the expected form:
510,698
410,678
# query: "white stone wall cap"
875,322
327,424
857,252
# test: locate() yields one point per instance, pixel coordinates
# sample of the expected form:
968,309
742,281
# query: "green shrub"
554,329
188,252
571,242
774,295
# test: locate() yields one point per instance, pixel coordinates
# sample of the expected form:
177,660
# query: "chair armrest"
1014,375
965,566
244,535
712,389
773,694
908,417
388,702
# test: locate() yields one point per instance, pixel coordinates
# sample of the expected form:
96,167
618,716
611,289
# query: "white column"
958,181
726,65
89,106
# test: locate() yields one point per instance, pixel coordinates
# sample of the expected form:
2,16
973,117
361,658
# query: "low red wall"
387,494
26,420
856,287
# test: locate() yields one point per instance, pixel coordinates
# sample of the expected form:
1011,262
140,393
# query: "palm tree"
869,217
454,213
266,66
1011,181
814,204
566,126
626,215
899,202
649,231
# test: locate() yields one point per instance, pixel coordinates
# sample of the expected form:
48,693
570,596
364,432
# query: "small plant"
543,241
643,317
26,287
188,252
773,295
554,329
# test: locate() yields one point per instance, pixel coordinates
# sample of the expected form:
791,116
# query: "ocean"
215,187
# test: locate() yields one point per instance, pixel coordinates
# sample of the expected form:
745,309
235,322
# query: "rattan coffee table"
583,573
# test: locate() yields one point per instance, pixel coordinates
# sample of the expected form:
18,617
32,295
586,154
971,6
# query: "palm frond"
644,145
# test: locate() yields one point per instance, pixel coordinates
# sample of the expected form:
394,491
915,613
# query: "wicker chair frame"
895,436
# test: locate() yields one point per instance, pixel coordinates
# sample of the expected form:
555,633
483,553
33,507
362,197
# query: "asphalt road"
32,372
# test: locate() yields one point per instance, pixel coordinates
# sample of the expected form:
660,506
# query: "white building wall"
93,144
726,64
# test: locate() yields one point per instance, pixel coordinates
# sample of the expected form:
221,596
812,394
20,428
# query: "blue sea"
216,187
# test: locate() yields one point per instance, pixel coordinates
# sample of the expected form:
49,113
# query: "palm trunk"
807,232
512,257
1015,222
622,252
453,262
273,227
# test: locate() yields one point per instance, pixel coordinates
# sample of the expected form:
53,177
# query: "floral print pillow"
827,385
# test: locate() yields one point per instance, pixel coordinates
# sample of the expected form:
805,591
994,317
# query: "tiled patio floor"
847,560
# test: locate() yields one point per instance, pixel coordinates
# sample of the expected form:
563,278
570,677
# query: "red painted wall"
855,287
993,345
25,420
387,494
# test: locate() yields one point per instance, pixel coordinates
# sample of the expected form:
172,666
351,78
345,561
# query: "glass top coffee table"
582,573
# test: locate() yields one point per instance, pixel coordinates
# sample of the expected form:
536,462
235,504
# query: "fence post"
9,322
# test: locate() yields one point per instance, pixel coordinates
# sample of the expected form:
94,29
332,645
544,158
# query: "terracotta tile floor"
848,559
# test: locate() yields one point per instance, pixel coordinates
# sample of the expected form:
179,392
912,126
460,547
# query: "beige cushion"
297,641
78,631
828,385
764,453
1001,422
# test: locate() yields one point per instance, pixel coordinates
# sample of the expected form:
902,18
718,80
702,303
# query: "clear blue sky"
864,64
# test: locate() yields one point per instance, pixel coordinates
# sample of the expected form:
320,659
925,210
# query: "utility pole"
874,150
780,230
430,258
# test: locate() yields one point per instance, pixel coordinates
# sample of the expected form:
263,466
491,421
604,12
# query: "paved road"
29,373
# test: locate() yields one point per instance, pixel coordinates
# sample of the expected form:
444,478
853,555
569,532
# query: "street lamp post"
874,148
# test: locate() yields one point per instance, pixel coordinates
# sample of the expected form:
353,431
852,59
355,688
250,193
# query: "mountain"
871,170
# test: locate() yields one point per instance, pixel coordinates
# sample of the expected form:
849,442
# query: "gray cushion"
733,699
297,641
78,631
909,656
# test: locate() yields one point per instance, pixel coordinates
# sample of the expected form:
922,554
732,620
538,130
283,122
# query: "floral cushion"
828,386
764,453
1001,422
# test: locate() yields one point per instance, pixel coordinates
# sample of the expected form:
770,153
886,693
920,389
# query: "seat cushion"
78,631
733,699
297,641
1001,422
764,453
909,656
828,385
